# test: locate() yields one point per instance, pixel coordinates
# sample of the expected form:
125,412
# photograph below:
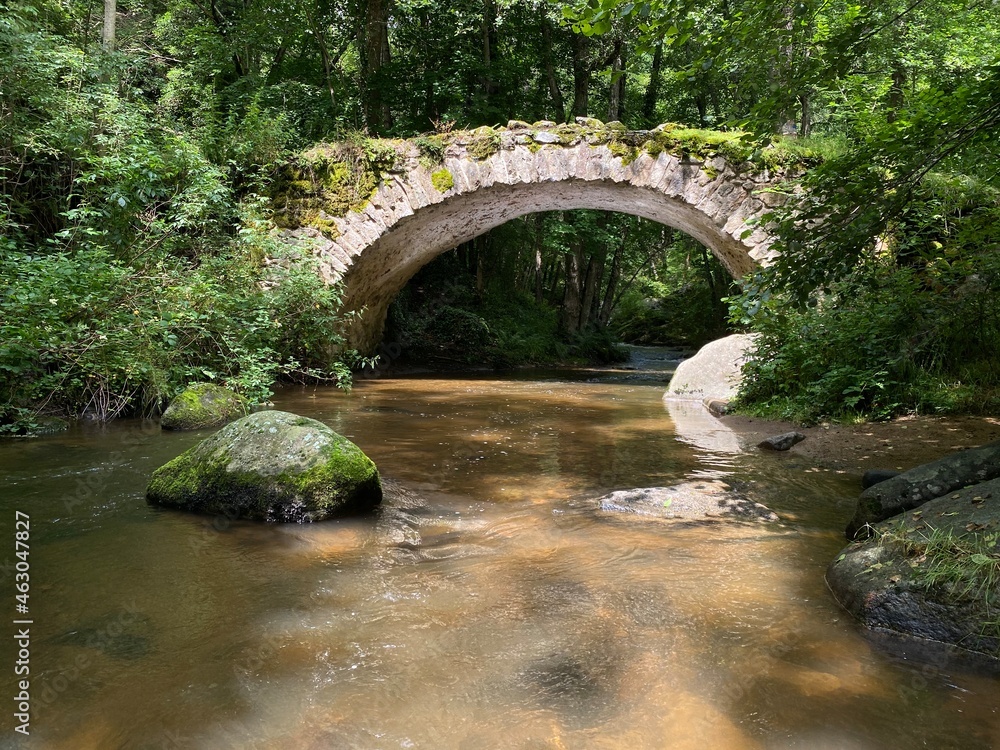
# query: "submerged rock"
915,487
782,442
270,466
690,501
931,573
203,405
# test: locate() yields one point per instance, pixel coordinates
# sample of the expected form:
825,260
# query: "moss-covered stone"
653,147
623,151
431,148
270,466
330,180
442,180
569,134
931,573
484,143
203,405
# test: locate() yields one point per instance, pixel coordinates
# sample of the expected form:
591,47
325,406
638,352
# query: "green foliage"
882,186
81,333
655,314
892,341
431,148
440,320
676,298
124,277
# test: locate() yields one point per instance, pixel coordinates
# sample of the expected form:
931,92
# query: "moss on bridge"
332,179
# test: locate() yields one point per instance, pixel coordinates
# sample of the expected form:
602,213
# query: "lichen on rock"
203,405
270,466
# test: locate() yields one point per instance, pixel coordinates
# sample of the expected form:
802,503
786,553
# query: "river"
488,604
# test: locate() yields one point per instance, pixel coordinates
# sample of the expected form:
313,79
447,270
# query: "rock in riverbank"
714,372
918,485
933,573
782,442
203,405
270,466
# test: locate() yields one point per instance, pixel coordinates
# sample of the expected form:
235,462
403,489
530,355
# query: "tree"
108,31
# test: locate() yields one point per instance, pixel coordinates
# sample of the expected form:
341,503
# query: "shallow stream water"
488,604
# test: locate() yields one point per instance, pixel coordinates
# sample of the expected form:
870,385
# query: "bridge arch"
419,210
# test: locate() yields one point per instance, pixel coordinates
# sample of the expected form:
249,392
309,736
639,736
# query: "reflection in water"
489,604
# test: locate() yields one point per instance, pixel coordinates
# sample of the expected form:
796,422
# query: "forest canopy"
138,141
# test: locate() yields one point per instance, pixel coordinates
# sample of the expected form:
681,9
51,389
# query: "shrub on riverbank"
82,333
875,349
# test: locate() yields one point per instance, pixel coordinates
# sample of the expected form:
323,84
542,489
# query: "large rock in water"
714,372
931,573
915,487
203,405
270,466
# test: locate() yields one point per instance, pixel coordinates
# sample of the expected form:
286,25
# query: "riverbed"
489,604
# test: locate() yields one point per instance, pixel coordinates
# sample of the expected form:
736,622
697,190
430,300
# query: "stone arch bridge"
375,212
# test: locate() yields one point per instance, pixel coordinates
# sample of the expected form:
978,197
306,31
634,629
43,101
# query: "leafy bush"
877,346
83,333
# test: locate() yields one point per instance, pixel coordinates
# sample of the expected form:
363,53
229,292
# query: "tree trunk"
539,238
609,296
480,269
553,283
653,89
616,96
897,92
805,126
595,272
702,104
108,32
550,72
376,57
324,53
581,75
571,293
489,32
430,108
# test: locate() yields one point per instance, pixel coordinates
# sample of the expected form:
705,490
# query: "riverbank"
899,444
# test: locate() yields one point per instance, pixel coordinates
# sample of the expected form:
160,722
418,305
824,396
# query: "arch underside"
387,264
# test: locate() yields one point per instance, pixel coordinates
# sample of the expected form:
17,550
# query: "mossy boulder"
932,573
203,405
270,466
